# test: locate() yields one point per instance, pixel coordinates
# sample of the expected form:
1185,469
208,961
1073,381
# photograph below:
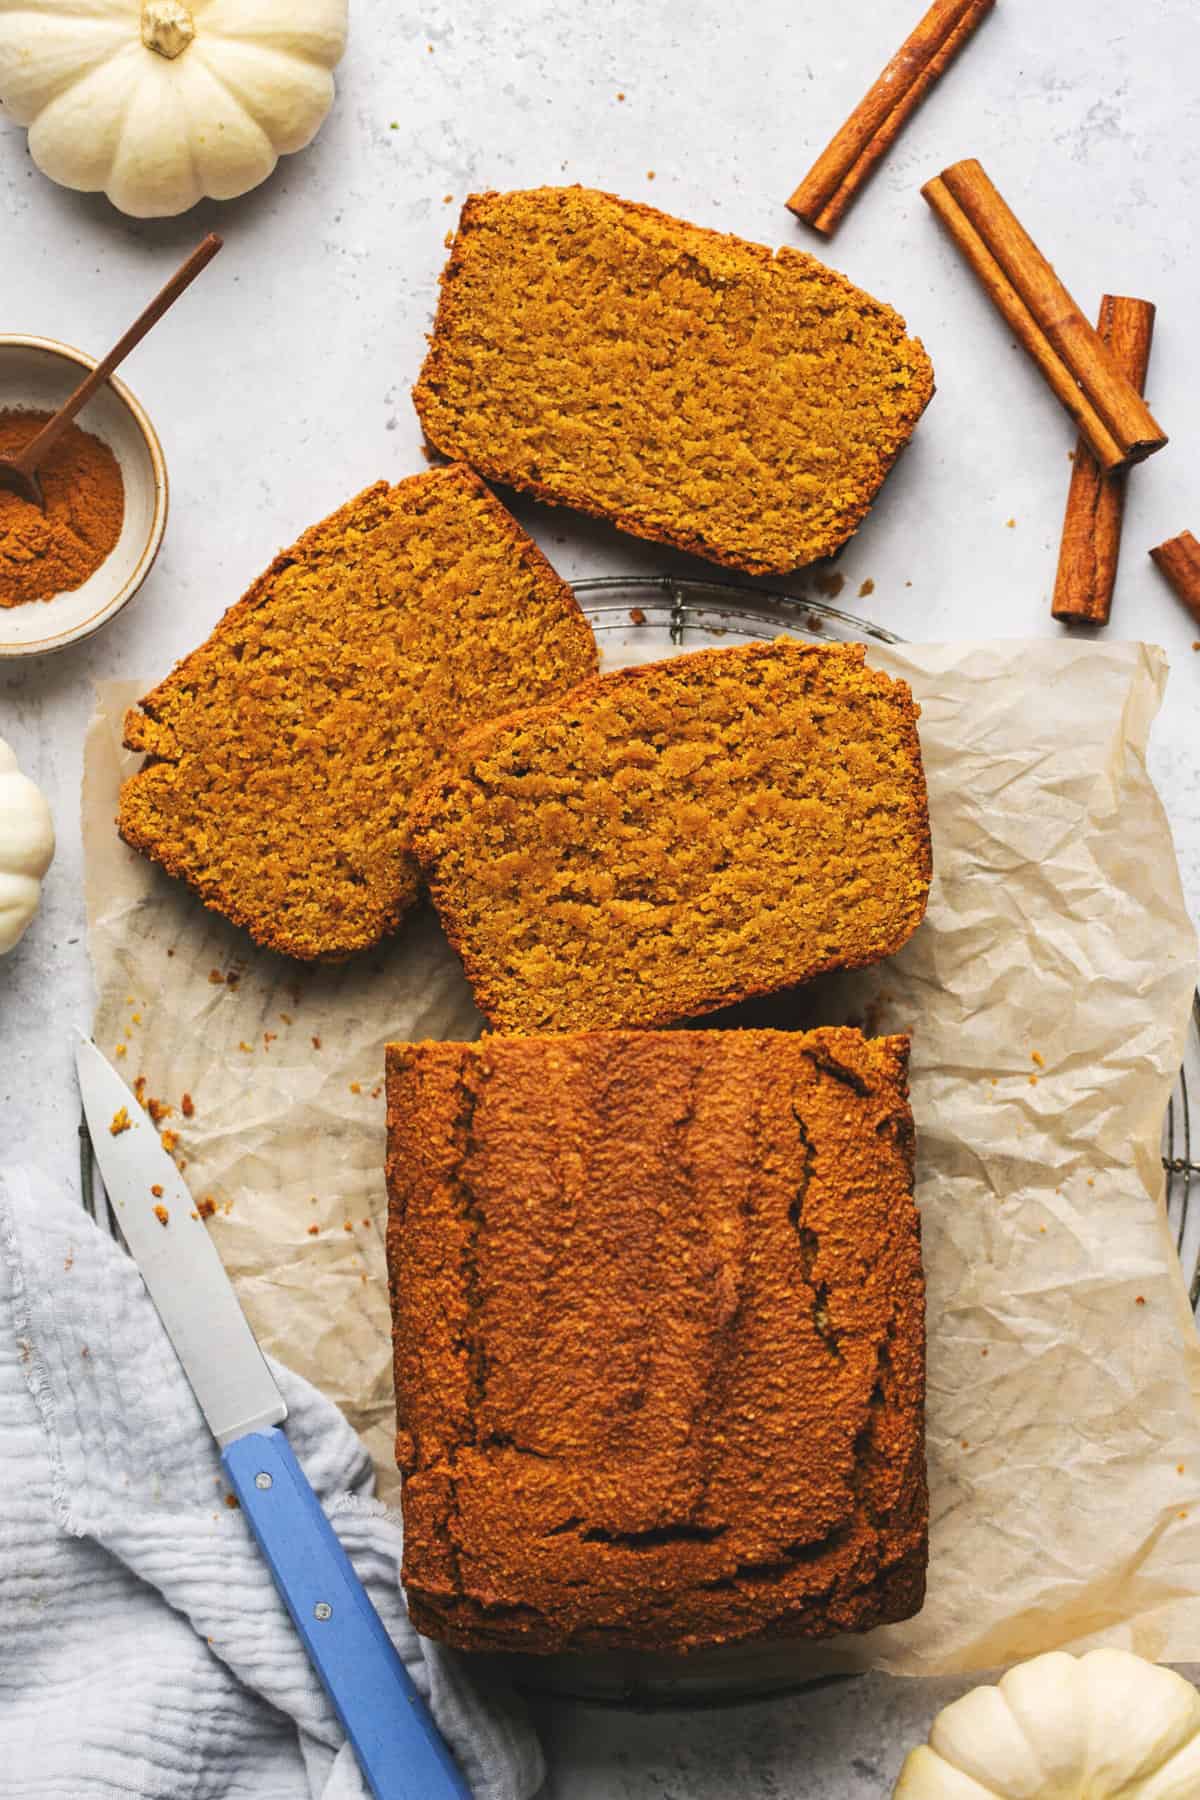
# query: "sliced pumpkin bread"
684,384
284,753
673,838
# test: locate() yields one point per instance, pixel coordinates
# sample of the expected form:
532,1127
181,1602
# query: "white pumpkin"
160,102
26,848
1064,1728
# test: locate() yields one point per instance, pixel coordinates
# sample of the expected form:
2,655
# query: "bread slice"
284,752
659,1338
686,385
672,838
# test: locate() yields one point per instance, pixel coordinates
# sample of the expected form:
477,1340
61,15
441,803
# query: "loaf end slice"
659,1338
688,386
284,753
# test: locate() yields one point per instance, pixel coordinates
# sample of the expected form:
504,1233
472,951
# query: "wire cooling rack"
1181,1147
639,619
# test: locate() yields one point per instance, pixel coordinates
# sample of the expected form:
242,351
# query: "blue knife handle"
396,1741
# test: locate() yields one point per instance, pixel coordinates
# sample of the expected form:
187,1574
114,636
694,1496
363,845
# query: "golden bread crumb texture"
687,385
677,837
659,1337
284,752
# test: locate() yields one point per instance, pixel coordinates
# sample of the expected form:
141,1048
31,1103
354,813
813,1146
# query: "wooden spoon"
20,472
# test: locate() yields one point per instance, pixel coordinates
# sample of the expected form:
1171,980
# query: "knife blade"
393,1734
178,1260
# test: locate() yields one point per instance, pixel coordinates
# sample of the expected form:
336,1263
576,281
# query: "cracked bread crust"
659,1338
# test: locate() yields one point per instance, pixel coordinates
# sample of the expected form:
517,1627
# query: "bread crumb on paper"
162,1215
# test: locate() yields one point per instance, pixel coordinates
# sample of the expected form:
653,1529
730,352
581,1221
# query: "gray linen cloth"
144,1651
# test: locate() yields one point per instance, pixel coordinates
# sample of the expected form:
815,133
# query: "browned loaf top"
659,1337
285,751
687,385
673,838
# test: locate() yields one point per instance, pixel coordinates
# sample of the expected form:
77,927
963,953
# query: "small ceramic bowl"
36,375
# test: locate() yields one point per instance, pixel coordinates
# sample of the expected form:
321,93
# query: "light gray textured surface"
280,386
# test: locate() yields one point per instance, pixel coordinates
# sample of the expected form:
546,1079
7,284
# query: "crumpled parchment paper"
1048,995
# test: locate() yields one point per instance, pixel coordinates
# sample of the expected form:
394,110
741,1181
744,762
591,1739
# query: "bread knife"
395,1739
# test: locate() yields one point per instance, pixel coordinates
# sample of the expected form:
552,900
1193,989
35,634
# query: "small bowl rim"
60,640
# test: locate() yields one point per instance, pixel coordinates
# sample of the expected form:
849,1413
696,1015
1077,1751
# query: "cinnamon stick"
1179,560
1091,539
1079,367
851,157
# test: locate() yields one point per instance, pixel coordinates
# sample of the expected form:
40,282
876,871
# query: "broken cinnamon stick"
851,157
1079,367
1179,560
1091,539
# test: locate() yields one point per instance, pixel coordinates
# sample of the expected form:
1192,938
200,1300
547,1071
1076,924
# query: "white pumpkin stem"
167,26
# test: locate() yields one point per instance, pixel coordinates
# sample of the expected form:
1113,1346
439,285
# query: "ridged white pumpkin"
1064,1728
26,848
160,102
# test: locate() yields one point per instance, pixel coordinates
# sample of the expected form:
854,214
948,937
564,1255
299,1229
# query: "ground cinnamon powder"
52,552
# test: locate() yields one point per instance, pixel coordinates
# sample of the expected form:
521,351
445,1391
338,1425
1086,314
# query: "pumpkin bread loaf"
673,838
284,752
686,385
659,1338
